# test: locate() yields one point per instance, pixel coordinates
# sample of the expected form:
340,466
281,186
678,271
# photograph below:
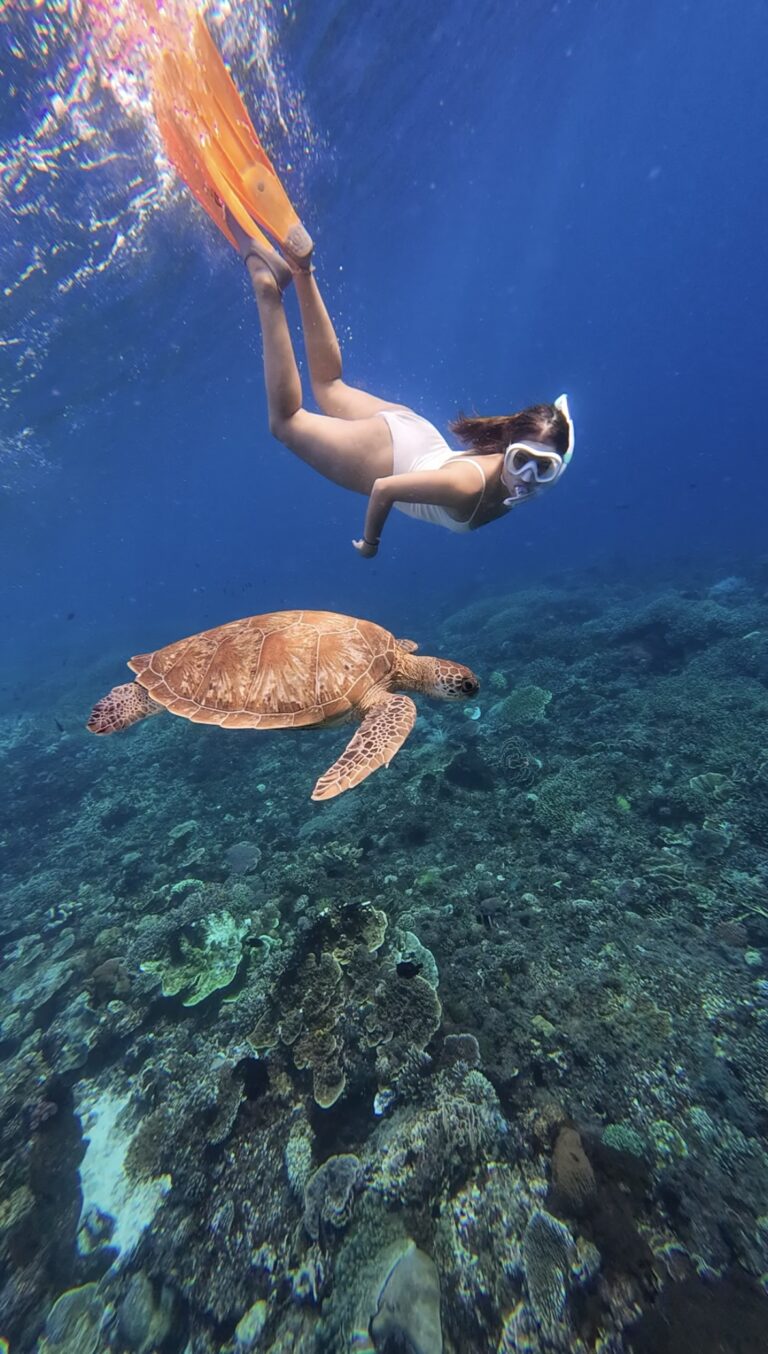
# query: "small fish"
70,615
59,726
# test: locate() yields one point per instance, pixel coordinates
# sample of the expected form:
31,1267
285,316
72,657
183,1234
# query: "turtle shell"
284,670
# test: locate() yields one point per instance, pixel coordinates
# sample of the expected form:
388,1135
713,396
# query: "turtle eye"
468,686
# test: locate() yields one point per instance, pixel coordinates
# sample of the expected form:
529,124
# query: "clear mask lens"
540,468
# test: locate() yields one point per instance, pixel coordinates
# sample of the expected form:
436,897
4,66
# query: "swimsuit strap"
470,460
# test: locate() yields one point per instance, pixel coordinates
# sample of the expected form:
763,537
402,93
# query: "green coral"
669,1144
523,705
429,881
210,958
624,1138
559,799
579,792
183,886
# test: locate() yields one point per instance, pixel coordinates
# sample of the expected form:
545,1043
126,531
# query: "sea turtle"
291,670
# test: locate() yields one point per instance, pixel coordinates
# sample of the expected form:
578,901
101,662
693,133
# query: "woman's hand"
366,548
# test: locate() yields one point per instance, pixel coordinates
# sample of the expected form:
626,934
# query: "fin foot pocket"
299,243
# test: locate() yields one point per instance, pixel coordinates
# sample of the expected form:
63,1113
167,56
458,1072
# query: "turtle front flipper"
381,734
122,706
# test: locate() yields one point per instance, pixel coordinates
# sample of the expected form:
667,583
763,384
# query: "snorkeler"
360,442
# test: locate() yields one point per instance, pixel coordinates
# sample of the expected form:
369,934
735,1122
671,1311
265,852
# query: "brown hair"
539,422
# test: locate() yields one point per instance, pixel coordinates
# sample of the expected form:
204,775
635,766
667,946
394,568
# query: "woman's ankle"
263,281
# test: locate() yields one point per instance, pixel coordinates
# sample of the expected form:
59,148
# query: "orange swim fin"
212,142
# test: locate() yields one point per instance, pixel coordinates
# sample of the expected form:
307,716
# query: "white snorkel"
531,466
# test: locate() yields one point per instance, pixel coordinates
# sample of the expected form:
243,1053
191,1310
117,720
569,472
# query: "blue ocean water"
508,201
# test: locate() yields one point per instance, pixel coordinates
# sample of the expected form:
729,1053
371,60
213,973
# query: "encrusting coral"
209,957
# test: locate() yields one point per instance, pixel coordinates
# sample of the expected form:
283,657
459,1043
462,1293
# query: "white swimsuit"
417,445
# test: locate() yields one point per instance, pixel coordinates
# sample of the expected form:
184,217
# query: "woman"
384,450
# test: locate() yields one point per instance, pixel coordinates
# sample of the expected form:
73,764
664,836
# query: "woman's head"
538,423
535,446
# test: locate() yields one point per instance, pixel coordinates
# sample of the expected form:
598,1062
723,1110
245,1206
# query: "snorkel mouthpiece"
530,466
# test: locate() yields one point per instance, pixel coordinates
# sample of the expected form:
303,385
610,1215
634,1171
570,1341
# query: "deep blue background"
512,200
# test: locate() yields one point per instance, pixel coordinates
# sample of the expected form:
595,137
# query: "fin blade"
211,141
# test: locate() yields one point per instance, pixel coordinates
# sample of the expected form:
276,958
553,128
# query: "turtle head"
451,681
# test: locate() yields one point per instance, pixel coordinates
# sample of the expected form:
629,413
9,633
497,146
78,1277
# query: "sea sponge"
408,1310
572,1174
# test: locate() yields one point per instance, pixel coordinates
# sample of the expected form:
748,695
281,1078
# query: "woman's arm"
454,487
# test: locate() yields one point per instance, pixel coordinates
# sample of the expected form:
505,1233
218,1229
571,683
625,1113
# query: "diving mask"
530,466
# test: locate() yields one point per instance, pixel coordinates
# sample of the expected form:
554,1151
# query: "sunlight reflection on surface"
82,168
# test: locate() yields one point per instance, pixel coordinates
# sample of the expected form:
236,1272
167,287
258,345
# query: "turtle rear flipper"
122,706
381,734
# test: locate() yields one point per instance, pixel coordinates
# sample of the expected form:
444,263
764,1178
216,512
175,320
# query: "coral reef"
352,993
330,1193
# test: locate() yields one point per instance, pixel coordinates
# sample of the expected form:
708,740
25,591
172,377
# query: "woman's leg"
333,395
351,453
